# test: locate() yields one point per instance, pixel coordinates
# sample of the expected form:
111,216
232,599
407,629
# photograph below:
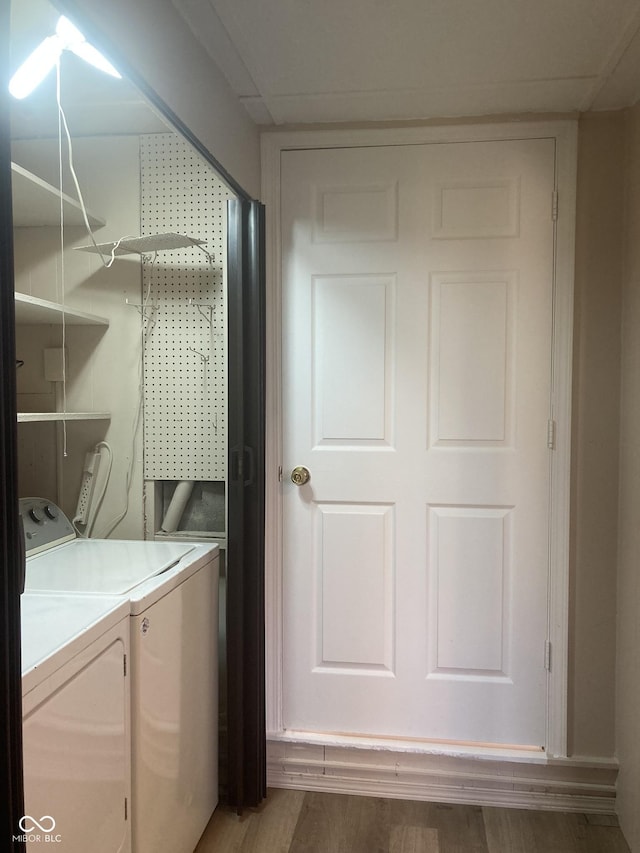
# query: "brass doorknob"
300,475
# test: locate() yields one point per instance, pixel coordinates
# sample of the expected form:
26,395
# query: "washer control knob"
36,515
51,511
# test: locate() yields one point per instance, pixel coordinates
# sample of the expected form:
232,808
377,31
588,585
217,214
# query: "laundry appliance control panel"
45,525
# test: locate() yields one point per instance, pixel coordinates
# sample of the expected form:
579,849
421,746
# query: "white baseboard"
580,785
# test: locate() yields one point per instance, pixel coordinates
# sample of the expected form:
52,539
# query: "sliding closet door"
245,554
11,793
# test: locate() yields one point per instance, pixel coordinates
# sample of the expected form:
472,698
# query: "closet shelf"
33,311
41,417
37,203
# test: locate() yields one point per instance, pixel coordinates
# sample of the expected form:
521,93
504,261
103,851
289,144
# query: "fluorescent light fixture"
44,58
35,68
69,33
73,40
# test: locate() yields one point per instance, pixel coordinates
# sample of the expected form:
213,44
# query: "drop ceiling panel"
336,46
622,87
210,31
543,96
373,60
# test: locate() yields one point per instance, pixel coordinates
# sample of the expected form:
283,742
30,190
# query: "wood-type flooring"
308,822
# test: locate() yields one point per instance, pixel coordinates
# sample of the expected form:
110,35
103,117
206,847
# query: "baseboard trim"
583,785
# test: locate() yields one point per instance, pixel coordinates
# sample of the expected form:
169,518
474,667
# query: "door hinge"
124,665
547,655
551,434
554,205
280,474
126,809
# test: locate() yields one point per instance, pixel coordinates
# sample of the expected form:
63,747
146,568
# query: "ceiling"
299,61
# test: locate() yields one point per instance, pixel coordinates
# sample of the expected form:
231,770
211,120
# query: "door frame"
565,135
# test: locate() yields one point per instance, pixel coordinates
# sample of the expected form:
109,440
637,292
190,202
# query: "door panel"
352,328
417,295
355,554
471,358
469,575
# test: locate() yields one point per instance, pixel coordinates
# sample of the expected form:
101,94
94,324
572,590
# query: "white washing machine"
172,588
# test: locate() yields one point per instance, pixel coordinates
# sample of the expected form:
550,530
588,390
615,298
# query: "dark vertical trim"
254,421
245,567
11,784
235,506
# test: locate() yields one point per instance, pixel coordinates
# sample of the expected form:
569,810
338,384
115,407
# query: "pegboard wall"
184,315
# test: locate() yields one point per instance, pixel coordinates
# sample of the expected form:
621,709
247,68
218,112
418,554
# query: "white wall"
155,41
628,658
595,434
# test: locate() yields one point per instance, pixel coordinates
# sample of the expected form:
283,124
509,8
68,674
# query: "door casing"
564,133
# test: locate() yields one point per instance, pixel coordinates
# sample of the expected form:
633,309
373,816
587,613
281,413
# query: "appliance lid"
103,566
50,622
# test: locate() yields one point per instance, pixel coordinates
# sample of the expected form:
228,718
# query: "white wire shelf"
37,203
144,245
33,311
42,417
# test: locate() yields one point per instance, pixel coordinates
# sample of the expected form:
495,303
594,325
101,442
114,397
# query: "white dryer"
172,588
76,723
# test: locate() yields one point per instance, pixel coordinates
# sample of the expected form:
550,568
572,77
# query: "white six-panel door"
417,321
